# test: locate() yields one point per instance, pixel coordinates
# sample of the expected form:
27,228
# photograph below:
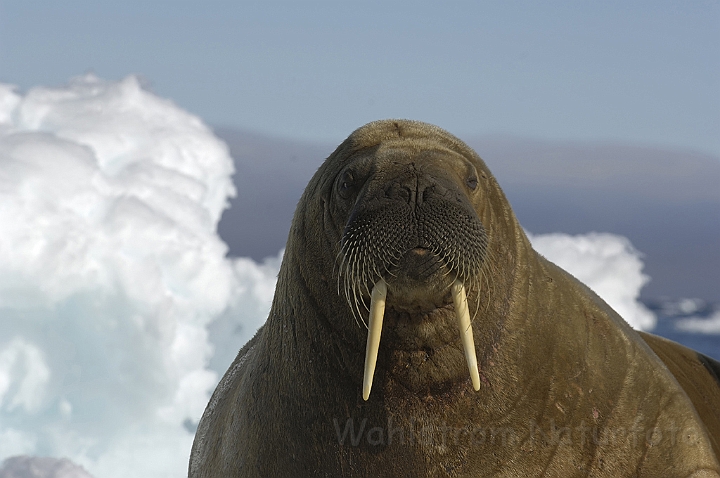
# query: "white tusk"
375,322
463,320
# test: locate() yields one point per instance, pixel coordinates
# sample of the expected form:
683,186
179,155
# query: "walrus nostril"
398,192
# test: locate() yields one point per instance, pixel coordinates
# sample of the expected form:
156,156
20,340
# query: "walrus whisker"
367,290
375,275
355,305
377,311
351,286
376,272
475,281
347,272
357,300
340,276
363,279
356,308
477,286
478,282
360,305
351,302
340,258
446,273
443,257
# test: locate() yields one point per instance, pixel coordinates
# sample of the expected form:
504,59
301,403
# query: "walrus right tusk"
463,319
375,321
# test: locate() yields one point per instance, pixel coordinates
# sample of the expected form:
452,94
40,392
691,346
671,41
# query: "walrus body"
407,212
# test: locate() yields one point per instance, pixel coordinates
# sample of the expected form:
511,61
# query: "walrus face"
413,241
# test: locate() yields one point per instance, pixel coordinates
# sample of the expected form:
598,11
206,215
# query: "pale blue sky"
639,72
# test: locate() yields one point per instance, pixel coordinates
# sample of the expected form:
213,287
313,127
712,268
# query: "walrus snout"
411,229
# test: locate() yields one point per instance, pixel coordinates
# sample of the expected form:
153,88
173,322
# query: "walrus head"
405,207
412,233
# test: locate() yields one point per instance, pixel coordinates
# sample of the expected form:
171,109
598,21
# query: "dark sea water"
671,313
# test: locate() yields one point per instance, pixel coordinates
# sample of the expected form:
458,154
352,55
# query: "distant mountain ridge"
667,202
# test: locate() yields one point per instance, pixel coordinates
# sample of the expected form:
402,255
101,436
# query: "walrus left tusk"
375,322
463,320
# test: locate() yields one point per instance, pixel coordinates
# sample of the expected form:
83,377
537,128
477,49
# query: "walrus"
414,332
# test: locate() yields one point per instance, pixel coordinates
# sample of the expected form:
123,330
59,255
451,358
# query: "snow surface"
118,308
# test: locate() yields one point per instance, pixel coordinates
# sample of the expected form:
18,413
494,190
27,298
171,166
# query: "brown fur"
568,388
697,375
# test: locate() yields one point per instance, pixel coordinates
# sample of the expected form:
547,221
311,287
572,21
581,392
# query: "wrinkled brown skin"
568,388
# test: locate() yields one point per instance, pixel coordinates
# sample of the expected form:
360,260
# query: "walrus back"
698,375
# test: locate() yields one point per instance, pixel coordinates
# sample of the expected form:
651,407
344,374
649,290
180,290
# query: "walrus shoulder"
698,375
210,429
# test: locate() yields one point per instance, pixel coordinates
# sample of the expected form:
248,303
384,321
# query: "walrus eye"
346,183
472,182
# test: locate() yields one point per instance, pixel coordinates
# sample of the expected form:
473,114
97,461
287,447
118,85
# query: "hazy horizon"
665,200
